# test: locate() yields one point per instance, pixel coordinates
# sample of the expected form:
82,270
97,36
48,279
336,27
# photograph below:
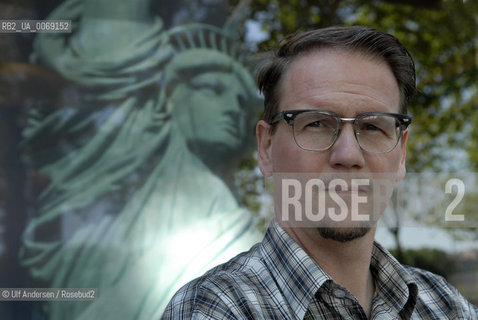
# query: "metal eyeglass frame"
404,121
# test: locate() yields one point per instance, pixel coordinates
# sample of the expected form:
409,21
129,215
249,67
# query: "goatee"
343,234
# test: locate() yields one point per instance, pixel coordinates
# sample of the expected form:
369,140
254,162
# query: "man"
335,104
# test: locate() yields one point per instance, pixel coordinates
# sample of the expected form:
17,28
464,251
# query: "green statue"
140,159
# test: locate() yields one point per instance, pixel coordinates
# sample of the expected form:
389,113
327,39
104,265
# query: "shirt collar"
299,277
296,274
394,284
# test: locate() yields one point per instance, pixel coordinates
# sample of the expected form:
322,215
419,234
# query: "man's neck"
348,263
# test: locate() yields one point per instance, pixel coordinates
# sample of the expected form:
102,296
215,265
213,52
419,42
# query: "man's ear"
403,155
264,147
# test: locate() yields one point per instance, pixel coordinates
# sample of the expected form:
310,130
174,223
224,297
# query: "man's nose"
346,152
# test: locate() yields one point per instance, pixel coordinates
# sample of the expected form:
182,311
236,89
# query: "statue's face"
211,110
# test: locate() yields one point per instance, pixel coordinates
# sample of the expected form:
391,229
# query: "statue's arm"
110,42
106,26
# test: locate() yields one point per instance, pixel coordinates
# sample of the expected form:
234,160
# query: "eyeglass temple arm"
286,115
405,121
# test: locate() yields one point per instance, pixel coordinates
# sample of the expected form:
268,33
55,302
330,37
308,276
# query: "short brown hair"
356,38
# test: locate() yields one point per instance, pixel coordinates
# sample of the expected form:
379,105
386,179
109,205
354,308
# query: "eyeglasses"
316,130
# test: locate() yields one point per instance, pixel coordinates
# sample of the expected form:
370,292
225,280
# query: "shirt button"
339,293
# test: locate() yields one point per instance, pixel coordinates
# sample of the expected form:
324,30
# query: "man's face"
347,84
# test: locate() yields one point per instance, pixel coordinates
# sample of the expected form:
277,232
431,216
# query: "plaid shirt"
276,279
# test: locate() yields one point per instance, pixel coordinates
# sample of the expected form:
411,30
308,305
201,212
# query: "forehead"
341,79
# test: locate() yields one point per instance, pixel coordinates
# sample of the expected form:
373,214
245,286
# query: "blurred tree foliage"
441,35
466,230
427,259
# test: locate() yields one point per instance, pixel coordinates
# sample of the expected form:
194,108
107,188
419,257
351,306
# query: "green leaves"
442,38
443,42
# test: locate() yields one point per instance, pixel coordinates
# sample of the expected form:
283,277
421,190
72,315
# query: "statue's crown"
204,36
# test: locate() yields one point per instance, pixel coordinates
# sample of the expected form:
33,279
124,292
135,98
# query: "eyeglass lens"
318,131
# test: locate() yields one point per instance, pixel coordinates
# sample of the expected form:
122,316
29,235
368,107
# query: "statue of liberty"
140,159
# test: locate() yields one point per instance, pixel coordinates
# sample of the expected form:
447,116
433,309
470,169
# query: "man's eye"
370,127
315,124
